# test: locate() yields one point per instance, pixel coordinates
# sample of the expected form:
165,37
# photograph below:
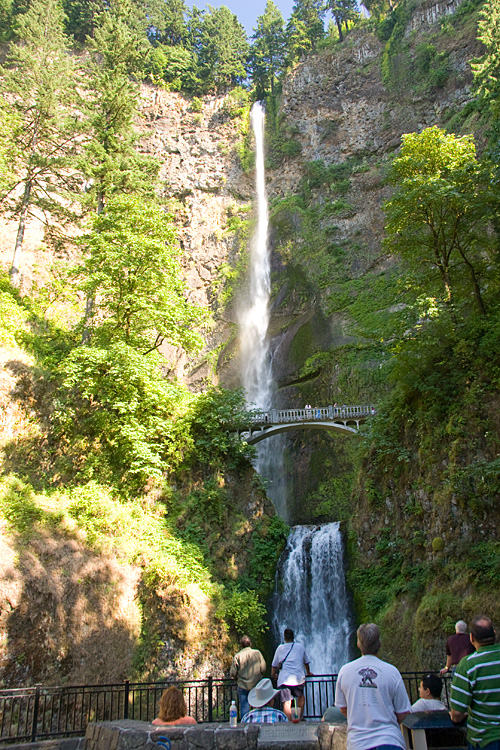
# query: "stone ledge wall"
136,735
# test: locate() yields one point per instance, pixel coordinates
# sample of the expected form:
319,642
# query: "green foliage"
41,91
237,103
431,66
174,67
214,417
305,28
13,314
131,267
269,541
438,218
221,48
110,161
487,71
119,415
267,53
244,612
94,515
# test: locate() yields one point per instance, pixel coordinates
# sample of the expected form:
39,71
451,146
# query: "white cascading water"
311,599
254,315
311,596
253,318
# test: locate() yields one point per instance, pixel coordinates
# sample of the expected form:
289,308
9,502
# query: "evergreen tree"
38,77
82,18
267,54
110,160
307,16
343,11
168,23
5,20
221,47
298,42
175,65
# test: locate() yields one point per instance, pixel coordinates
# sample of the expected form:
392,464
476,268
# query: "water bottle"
233,714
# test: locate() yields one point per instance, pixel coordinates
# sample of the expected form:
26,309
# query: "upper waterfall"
253,315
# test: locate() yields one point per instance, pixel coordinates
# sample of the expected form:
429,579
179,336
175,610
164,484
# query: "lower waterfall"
311,596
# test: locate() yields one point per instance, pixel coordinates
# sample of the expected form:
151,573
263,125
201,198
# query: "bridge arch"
343,419
261,434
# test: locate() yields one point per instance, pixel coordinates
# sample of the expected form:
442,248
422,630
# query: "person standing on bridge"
247,668
290,666
371,693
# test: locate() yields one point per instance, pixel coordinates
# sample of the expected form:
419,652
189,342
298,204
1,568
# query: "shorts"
291,691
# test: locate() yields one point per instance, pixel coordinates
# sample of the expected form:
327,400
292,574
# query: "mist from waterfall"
311,596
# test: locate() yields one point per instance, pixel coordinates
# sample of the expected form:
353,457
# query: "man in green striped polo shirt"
475,690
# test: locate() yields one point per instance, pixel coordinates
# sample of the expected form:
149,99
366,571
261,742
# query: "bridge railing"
38,713
321,413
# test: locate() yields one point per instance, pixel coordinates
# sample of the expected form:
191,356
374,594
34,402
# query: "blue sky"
247,10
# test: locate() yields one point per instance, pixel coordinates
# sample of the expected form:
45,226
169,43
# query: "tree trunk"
475,284
89,303
339,27
14,270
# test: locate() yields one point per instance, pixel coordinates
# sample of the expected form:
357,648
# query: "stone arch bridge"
345,419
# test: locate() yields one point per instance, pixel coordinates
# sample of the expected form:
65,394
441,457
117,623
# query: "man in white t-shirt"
290,666
371,693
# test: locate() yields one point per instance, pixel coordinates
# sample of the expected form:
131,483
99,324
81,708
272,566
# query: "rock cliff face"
205,185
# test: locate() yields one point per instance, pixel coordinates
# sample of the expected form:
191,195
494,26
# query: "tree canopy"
131,270
439,218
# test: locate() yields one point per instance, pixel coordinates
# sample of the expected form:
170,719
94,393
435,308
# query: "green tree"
487,69
343,12
439,218
267,54
82,18
5,20
298,42
117,418
110,160
175,65
131,270
38,77
7,119
221,47
169,24
307,17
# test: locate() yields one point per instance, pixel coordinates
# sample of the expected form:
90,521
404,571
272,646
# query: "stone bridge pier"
137,735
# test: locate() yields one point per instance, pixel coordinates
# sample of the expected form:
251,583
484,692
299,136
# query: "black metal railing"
40,713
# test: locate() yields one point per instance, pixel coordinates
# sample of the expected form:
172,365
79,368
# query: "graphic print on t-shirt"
367,676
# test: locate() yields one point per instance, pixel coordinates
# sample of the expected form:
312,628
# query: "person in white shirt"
429,690
371,693
290,666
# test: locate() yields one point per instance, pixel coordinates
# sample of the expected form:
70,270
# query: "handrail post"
36,707
125,699
210,698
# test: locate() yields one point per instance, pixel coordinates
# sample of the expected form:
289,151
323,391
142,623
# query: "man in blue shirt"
261,698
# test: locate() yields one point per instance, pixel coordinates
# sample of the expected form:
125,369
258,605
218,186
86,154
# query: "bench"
438,724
